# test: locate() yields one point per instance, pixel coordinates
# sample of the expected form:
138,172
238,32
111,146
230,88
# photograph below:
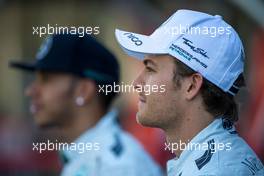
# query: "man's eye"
44,79
149,69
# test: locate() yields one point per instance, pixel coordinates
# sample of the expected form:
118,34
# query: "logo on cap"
134,39
195,49
186,55
44,48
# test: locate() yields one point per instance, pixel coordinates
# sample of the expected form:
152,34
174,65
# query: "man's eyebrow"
148,61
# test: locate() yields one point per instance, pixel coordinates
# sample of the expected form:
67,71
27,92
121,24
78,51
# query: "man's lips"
34,108
142,98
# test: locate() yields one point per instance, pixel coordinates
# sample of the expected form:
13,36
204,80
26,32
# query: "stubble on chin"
147,121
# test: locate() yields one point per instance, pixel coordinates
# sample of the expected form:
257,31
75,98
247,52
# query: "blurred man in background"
65,95
202,73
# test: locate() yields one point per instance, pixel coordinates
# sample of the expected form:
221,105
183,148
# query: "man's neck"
190,126
80,123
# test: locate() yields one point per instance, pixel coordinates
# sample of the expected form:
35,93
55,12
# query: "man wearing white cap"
199,59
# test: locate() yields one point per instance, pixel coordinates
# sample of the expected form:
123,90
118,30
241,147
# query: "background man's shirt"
113,152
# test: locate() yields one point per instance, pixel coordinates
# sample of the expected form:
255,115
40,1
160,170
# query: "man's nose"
30,90
138,81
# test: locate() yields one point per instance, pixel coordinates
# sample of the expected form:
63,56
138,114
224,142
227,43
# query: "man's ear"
193,85
86,89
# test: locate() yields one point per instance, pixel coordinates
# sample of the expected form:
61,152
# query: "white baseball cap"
205,43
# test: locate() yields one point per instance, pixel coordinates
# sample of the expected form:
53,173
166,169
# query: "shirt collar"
107,122
219,125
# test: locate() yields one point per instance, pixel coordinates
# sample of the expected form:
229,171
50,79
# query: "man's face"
52,99
163,108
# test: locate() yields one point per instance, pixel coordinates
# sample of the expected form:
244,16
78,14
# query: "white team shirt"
114,152
222,153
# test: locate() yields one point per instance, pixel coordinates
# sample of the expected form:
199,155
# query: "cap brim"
137,45
22,66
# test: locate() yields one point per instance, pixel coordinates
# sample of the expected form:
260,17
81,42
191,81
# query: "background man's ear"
194,84
86,89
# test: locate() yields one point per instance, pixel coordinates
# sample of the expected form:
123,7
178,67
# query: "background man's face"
158,109
52,99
